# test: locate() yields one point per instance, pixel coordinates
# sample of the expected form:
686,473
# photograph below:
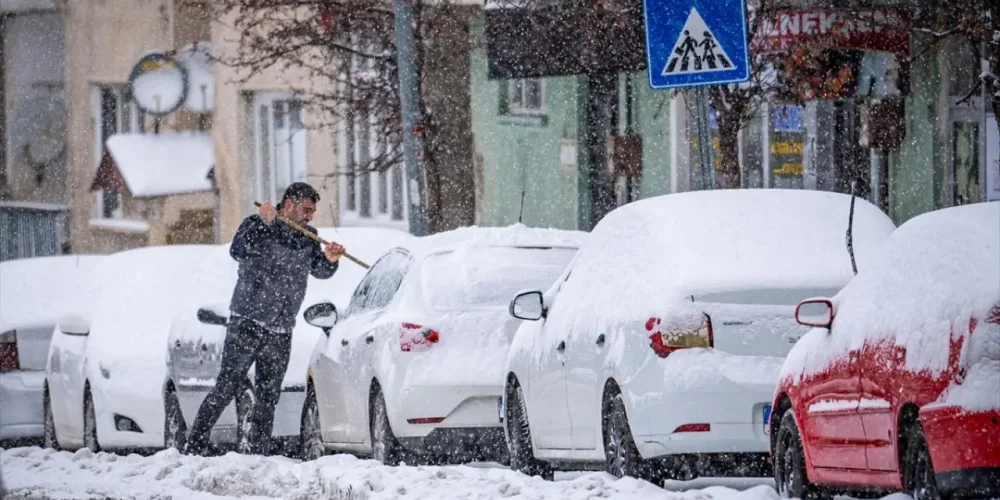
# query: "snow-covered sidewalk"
170,475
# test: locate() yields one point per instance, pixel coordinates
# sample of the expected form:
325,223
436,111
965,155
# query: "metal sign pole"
410,112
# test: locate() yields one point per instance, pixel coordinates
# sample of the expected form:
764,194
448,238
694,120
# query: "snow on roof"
165,164
513,235
40,290
936,271
131,318
646,254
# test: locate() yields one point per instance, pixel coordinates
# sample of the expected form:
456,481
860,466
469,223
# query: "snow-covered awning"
150,165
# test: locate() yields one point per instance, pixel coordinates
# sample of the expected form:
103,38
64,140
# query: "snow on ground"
167,474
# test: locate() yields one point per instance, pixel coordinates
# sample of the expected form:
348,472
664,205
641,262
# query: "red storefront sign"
875,29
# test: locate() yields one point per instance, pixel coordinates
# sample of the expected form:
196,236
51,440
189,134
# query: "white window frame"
123,124
520,108
265,155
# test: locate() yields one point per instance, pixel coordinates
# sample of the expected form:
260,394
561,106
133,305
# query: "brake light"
994,316
414,337
8,352
680,333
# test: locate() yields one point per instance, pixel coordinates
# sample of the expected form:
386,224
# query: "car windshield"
487,277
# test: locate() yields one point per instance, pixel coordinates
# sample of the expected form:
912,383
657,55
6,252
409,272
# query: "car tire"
521,457
244,412
790,477
49,437
174,427
919,479
311,439
621,456
90,424
385,447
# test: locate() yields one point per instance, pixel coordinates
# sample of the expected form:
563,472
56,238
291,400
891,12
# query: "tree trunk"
728,174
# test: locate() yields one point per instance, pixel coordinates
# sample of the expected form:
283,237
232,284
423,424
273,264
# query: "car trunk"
758,322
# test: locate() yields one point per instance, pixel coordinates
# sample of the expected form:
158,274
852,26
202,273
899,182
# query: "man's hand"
268,212
333,252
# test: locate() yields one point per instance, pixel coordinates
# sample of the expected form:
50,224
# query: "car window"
378,287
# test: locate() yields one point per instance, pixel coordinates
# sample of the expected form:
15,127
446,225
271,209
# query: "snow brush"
316,237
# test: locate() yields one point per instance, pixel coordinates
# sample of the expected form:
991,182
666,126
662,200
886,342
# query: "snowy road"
37,474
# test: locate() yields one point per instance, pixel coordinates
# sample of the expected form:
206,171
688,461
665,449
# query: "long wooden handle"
316,237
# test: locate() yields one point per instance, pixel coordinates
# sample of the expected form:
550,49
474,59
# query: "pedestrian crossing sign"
696,43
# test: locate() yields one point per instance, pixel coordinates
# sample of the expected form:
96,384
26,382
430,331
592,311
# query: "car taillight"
666,338
414,337
8,352
993,317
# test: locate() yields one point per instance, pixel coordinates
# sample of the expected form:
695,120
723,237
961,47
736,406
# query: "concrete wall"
235,167
35,112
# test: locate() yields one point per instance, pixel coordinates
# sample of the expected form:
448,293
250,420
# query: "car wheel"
621,457
790,463
385,448
918,471
174,427
50,440
311,440
516,427
90,424
244,410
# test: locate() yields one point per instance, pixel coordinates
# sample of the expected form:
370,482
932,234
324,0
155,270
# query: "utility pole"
410,112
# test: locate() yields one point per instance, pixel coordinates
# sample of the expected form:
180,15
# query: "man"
275,262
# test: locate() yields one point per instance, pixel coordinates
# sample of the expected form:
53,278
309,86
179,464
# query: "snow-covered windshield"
480,277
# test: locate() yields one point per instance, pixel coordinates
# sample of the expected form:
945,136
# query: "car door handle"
562,346
600,339
343,341
369,339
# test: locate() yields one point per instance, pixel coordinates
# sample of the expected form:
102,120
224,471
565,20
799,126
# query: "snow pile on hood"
40,290
167,474
935,273
648,254
513,235
132,317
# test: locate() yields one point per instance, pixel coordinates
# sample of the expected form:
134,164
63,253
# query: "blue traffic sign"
692,43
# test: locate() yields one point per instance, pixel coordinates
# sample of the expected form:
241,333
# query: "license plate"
500,409
767,419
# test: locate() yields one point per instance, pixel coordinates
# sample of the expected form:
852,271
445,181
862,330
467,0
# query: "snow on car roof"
934,273
646,254
513,235
40,290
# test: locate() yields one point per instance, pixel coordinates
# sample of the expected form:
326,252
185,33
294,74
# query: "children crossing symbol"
696,49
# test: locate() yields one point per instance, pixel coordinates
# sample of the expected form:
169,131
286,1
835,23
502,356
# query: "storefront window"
787,144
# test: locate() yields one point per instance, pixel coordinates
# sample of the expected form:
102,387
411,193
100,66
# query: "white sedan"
194,347
33,294
657,351
415,364
106,364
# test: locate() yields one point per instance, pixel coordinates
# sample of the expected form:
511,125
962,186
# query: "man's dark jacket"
275,264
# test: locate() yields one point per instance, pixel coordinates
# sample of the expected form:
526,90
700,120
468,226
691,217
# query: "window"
279,144
523,96
371,193
114,113
379,286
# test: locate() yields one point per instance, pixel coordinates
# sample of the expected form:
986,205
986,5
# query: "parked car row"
687,334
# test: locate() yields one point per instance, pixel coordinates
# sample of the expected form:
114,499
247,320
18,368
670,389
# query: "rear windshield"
765,296
490,276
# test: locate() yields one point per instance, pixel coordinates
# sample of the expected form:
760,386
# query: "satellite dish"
197,61
159,84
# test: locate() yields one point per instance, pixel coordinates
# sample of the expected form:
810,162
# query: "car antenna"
520,211
850,227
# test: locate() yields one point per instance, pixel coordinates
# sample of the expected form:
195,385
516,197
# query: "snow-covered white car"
415,363
198,331
898,385
106,364
657,351
34,293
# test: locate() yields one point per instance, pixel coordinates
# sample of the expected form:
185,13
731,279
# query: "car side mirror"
210,317
816,313
74,325
528,306
323,315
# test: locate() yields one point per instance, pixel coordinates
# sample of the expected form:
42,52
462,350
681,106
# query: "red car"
897,386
